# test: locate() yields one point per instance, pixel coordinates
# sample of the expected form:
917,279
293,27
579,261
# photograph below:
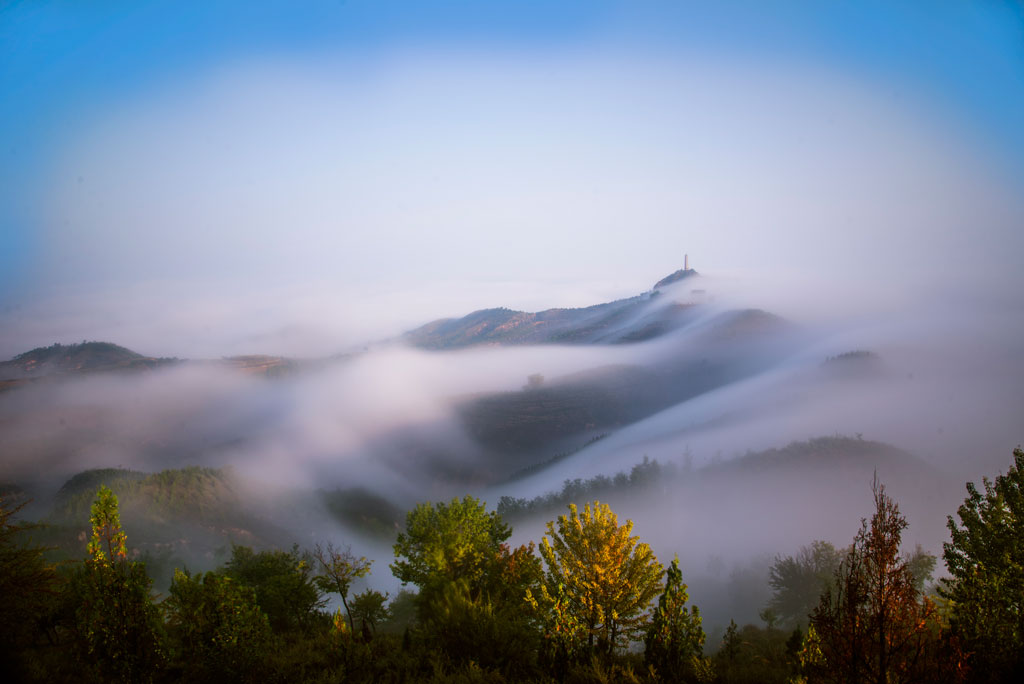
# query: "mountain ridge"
631,319
622,321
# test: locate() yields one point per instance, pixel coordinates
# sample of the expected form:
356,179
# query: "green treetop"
675,639
985,558
443,543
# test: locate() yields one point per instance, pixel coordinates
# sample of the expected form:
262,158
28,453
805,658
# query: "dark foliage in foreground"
584,610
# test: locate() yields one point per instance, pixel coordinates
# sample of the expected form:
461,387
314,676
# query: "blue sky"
288,155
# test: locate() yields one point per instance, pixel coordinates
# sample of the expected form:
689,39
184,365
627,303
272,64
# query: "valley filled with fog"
767,430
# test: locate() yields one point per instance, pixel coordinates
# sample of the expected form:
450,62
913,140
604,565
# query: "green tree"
798,581
220,633
599,581
444,543
284,586
731,642
27,584
476,629
985,558
472,601
117,626
873,624
108,543
751,654
370,608
338,569
675,638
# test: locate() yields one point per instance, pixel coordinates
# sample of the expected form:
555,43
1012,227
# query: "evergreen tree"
731,642
985,558
27,584
675,639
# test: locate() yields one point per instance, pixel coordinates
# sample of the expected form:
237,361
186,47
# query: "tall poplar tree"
117,626
599,580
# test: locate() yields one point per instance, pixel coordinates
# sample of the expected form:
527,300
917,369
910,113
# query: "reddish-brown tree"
874,624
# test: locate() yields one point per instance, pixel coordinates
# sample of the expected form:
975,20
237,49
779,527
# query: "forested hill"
64,359
72,360
59,358
822,464
178,516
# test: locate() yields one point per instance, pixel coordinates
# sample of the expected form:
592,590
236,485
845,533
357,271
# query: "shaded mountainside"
511,432
520,429
700,350
635,319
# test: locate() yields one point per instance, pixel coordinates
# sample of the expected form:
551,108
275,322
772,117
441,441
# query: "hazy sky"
199,178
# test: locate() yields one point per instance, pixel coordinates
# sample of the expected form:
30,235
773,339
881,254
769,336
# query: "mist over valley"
743,417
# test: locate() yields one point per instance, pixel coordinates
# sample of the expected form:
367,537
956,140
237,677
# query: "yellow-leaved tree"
117,628
599,581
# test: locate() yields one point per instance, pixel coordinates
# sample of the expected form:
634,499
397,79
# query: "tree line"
591,603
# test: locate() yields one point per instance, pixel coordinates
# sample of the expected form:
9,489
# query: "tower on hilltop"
686,262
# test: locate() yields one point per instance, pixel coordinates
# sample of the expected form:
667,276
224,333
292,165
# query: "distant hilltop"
635,319
684,272
64,359
72,357
674,277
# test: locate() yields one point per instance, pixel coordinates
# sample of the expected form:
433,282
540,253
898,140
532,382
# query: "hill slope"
173,518
635,319
519,429
65,359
